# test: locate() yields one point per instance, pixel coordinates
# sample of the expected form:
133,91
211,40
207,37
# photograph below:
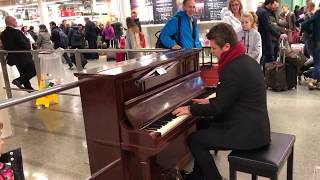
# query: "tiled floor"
54,145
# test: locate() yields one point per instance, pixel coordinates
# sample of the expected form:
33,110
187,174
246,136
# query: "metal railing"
76,52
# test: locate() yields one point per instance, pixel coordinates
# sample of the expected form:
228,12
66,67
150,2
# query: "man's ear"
226,47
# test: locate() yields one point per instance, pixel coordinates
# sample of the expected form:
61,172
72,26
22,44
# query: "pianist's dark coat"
240,109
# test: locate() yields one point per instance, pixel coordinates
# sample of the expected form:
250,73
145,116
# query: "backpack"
64,42
176,36
76,38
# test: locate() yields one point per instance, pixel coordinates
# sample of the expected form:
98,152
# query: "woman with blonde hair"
108,34
250,36
132,38
232,14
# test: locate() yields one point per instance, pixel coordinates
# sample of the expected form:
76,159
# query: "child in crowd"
250,36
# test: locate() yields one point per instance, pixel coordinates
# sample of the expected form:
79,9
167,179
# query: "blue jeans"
316,59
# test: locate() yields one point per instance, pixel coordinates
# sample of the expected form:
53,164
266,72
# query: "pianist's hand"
176,47
183,110
201,101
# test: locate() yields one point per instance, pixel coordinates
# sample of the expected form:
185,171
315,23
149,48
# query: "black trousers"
109,42
68,59
92,43
26,71
200,144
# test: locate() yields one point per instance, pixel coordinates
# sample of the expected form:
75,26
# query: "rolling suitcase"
275,76
281,75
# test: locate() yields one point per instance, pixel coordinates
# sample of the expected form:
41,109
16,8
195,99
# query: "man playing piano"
238,114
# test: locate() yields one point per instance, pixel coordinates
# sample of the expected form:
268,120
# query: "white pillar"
251,5
125,10
43,9
94,5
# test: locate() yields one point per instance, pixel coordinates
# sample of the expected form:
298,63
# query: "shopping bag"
11,166
142,40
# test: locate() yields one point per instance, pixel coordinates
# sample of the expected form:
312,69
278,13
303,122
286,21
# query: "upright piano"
130,131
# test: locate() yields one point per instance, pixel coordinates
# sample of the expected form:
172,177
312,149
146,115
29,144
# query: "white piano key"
177,121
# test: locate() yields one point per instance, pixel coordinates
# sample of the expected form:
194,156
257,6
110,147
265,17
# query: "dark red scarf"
231,55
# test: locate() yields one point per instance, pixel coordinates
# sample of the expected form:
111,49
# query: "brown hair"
184,2
43,28
223,33
231,1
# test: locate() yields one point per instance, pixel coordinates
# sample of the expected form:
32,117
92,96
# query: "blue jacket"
186,38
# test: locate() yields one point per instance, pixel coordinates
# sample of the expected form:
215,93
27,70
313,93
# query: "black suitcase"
281,75
291,75
275,76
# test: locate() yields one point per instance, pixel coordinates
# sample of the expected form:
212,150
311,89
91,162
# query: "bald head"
10,21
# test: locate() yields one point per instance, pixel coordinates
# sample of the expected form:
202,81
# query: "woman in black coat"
238,114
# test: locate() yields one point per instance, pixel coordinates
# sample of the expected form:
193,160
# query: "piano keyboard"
169,122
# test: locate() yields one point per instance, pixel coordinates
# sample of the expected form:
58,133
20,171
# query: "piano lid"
135,65
158,105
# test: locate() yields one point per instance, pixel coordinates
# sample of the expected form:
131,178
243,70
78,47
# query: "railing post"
5,75
36,59
78,60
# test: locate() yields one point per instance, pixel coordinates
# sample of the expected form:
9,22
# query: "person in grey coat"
43,41
250,36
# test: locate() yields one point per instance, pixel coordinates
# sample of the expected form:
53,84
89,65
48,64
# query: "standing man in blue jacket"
189,31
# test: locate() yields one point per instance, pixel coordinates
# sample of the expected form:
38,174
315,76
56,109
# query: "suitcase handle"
282,51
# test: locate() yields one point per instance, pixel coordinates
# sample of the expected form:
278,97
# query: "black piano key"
151,129
155,126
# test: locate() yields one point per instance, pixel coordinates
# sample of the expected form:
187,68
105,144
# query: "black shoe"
30,90
18,84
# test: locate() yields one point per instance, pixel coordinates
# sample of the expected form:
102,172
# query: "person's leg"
316,60
95,46
276,48
200,145
68,60
18,81
27,71
108,43
112,43
116,42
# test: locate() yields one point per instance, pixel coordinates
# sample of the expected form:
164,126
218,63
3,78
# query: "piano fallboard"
158,108
154,107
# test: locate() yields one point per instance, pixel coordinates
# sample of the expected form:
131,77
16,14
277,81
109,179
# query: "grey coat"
43,41
252,42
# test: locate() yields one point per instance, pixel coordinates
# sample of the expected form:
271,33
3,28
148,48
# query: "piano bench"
266,161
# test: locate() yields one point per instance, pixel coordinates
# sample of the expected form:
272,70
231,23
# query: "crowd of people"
261,32
66,35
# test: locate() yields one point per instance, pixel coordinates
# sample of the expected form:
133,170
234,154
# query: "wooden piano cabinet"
172,159
102,134
134,155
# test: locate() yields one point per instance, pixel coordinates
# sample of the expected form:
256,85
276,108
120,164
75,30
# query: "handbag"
293,55
11,166
142,40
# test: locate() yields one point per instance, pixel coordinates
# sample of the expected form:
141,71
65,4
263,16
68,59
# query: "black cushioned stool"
267,161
